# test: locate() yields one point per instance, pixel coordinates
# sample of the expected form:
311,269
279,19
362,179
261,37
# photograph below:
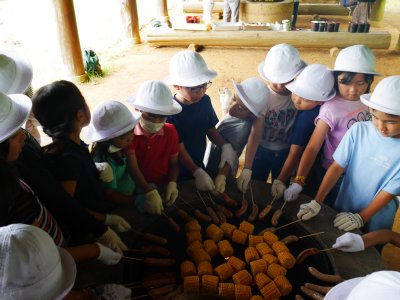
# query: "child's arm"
215,137
172,190
186,159
94,251
380,200
69,186
173,168
116,197
380,237
228,154
136,174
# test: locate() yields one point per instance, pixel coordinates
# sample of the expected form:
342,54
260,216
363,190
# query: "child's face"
153,117
304,104
123,141
238,109
280,88
190,95
353,89
16,142
387,125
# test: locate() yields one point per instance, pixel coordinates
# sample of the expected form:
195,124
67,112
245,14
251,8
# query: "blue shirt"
303,126
192,124
372,164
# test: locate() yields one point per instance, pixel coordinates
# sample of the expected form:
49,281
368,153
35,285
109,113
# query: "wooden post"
134,21
377,10
69,39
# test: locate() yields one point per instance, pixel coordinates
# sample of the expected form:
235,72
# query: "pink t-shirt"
340,115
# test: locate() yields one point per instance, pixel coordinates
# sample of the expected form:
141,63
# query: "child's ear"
81,116
177,87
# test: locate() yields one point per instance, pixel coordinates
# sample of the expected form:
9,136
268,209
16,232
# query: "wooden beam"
265,11
162,10
197,7
322,9
301,39
134,21
69,39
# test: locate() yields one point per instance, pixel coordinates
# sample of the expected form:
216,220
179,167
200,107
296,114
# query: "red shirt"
153,153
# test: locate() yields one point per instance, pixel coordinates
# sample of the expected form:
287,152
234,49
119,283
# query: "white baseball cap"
31,265
282,63
155,97
316,82
14,111
187,68
378,285
385,97
357,59
111,119
254,94
15,73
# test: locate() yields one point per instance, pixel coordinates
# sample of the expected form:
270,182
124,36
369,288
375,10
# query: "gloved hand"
111,240
203,181
117,223
220,183
108,256
277,189
348,221
309,210
349,242
105,171
171,193
153,203
292,192
229,156
111,291
244,180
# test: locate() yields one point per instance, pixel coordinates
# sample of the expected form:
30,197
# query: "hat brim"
67,279
342,290
280,79
241,94
355,71
366,99
190,82
97,136
23,105
176,108
299,91
24,73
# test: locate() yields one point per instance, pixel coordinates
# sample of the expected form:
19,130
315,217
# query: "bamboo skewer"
312,234
133,258
201,198
187,203
299,220
251,195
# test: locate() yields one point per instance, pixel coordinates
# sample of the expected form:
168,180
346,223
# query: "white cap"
15,73
357,59
378,285
282,64
187,68
254,94
14,111
385,97
31,266
316,82
111,119
155,97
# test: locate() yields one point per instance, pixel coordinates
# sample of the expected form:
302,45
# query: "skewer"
312,234
251,195
327,249
133,258
283,205
299,220
187,203
201,198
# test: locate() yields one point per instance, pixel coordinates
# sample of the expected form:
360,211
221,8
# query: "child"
282,64
354,73
313,87
153,153
111,129
231,10
362,12
249,103
62,111
33,267
369,154
191,77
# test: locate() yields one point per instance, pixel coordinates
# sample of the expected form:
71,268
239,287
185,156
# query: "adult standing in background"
362,12
231,10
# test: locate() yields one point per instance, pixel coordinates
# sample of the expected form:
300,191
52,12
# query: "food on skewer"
265,211
214,233
261,280
188,268
226,290
243,208
192,225
228,200
324,277
258,266
270,291
283,285
246,227
264,248
192,236
251,254
254,210
286,259
210,247
171,223
242,292
270,259
275,270
228,229
239,237
225,248
224,272
242,277
254,240
236,263
279,247
205,268
270,238
191,284
209,284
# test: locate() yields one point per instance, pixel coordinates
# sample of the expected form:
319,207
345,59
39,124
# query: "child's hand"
117,223
229,156
105,171
153,203
244,180
111,240
112,291
349,242
348,221
203,181
293,192
108,256
277,189
309,210
220,183
171,193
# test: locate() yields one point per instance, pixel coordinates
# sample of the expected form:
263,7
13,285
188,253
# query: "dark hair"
100,149
5,148
9,187
55,107
348,76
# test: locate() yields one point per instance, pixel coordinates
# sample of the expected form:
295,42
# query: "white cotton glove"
229,156
220,183
203,181
112,291
309,210
348,221
349,242
117,223
111,240
277,189
108,256
105,171
153,203
171,193
292,192
244,180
